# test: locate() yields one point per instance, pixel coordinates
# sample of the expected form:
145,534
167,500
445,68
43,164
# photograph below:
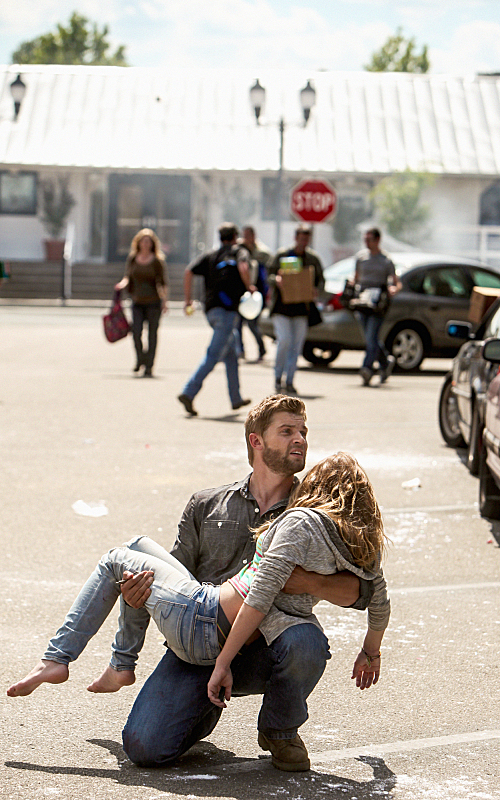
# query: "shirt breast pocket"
217,534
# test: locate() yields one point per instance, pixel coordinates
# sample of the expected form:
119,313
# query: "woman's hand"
221,678
366,670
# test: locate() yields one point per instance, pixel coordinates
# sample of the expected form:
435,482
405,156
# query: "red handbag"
116,325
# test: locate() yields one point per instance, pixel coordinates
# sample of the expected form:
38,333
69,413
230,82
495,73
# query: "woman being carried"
332,523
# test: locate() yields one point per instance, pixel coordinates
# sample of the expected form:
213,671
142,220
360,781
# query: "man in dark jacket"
227,277
290,320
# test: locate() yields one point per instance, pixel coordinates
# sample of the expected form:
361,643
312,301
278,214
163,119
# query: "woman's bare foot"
112,680
44,672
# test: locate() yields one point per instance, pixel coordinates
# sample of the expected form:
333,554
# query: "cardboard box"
480,301
297,287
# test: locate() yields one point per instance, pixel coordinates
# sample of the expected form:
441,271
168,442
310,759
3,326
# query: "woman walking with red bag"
147,282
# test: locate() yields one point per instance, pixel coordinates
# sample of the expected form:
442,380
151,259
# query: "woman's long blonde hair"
156,249
339,487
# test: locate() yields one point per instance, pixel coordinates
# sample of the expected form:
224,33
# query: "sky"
463,36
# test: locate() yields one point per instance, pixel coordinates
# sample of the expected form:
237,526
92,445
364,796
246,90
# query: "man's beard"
283,465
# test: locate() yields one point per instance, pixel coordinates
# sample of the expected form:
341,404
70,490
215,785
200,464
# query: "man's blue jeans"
290,334
172,711
221,348
375,350
253,325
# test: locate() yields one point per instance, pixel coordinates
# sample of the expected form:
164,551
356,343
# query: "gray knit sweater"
310,539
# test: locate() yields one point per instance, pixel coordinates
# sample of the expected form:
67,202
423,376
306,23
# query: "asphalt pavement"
77,425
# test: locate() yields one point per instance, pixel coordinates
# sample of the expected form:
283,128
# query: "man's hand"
299,582
136,589
339,588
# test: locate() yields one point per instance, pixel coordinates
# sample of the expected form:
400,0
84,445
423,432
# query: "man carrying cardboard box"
296,277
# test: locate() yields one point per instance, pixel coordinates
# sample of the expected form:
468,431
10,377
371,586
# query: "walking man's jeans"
222,347
375,350
290,334
253,324
150,313
172,711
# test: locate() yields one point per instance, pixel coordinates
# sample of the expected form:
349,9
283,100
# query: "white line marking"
433,509
405,747
448,588
331,756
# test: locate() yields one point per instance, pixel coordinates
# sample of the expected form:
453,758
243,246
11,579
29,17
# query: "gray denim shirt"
215,538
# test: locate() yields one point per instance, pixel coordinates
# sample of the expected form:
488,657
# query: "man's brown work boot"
289,755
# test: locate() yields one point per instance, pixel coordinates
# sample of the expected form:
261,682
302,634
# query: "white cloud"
472,48
257,34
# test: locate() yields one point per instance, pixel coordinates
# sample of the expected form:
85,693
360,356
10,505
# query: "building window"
18,193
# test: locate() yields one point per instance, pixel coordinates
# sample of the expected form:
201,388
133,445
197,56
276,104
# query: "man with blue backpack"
227,276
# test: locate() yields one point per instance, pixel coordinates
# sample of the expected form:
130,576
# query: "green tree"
398,55
397,202
81,42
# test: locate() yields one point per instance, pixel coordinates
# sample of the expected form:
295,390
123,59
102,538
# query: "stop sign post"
313,201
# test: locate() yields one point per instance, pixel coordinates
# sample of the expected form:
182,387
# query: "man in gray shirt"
375,278
215,540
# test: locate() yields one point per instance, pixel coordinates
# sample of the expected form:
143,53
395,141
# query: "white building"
181,152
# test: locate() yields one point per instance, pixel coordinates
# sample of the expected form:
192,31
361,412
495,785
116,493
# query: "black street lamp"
18,90
307,101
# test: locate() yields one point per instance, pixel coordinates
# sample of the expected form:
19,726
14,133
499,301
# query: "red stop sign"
313,201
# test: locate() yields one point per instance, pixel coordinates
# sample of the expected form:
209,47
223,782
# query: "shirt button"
245,560
257,510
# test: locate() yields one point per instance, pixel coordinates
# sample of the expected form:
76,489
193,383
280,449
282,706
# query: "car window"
483,278
445,282
493,327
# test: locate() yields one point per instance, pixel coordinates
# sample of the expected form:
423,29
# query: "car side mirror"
459,330
490,351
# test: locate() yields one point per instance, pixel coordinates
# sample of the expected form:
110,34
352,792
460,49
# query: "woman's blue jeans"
184,610
222,347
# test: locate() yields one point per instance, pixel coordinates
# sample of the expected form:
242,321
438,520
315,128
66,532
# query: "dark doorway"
489,213
160,202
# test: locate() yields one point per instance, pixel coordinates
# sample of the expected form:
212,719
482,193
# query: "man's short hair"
249,228
373,232
228,231
260,416
303,228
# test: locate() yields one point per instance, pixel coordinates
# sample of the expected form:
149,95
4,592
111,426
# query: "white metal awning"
366,123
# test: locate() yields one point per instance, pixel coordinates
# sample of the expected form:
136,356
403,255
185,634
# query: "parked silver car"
436,288
463,395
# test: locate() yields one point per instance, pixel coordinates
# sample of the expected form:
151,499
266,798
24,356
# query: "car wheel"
448,416
407,347
489,493
320,353
475,442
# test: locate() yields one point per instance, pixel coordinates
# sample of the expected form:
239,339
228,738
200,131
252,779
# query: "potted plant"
57,202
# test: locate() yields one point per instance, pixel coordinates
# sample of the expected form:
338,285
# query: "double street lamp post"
307,101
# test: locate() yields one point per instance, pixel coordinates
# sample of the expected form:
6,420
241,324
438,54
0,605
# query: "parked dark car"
489,461
463,396
436,288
